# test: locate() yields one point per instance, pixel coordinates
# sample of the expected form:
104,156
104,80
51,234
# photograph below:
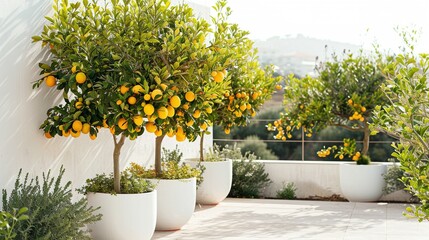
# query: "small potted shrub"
248,87
344,94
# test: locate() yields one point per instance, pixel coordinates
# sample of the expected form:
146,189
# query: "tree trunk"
366,135
116,171
158,142
202,147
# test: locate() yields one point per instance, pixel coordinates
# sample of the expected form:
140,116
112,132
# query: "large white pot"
125,216
176,202
362,183
217,181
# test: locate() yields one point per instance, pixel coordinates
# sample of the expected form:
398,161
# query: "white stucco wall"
22,110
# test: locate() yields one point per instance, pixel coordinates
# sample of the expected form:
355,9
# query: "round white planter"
176,202
125,216
217,181
362,183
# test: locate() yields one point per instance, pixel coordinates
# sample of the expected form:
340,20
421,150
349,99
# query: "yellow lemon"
138,120
180,138
175,101
156,94
162,112
150,127
158,132
77,125
197,113
209,110
227,131
92,136
190,123
80,78
66,134
163,86
170,110
119,102
203,126
75,134
124,89
50,81
219,77
137,89
132,100
146,97
190,96
73,69
122,123
170,133
48,135
85,128
78,105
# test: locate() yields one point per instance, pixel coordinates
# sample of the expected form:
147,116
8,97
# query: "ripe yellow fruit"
175,101
162,112
66,134
78,105
92,136
85,128
119,102
186,106
137,89
170,110
180,138
243,107
48,135
150,127
238,95
158,132
238,114
214,73
219,77
209,110
146,97
350,101
138,120
227,131
163,86
197,114
361,119
249,106
75,134
152,118
190,96
105,125
279,87
203,126
124,89
112,130
80,78
77,126
170,133
50,81
341,157
190,123
363,109
73,69
122,123
156,94
132,100
255,96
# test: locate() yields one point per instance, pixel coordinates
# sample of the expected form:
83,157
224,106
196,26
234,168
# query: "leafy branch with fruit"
344,94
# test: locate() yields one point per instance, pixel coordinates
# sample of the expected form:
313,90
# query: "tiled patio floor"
296,220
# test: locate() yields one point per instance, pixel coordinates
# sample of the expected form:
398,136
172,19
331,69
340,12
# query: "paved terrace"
299,220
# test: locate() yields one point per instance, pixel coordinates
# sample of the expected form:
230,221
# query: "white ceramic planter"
125,216
176,202
217,181
362,183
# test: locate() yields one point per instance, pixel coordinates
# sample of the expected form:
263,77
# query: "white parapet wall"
312,179
23,109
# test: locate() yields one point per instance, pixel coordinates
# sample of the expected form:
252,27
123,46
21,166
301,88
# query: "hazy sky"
354,21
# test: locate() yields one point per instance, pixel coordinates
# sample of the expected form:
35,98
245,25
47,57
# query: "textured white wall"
22,109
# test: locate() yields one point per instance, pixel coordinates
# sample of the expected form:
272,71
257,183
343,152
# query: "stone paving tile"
301,220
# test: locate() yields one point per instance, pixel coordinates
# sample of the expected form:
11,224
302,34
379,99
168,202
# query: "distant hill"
297,54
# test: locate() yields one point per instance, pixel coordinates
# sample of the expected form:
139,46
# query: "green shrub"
8,221
256,146
287,191
52,214
103,183
248,177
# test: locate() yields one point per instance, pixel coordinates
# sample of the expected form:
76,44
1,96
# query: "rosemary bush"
52,214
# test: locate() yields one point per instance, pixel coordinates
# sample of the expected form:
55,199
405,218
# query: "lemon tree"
406,119
344,94
250,84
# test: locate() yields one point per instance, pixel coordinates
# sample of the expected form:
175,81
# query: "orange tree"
344,94
139,63
250,84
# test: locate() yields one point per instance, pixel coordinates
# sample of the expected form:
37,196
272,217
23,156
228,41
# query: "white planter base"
176,202
217,181
125,216
362,183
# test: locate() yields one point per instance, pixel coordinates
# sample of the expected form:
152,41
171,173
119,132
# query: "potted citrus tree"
247,87
176,95
95,67
406,119
344,94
